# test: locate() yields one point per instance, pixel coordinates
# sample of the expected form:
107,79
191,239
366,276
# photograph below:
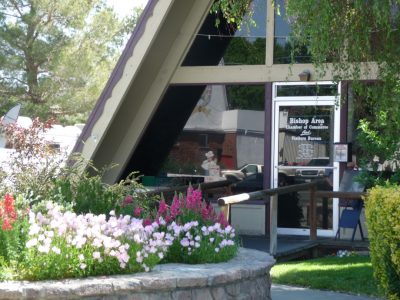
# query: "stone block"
201,294
219,293
182,295
233,289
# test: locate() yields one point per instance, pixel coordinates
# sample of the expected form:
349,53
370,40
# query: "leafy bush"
87,193
383,220
34,164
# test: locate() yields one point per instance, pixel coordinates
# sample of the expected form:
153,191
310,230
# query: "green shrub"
87,193
383,220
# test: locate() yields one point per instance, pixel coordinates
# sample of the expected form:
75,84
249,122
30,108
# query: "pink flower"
206,212
222,220
162,207
197,198
175,207
147,222
128,200
189,190
137,212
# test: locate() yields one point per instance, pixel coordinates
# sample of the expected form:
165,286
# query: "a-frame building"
173,54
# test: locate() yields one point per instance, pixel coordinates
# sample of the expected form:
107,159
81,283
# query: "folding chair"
350,216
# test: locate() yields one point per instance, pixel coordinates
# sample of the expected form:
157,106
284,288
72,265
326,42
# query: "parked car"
242,172
251,183
320,170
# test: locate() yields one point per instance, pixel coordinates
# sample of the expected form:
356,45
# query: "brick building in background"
235,136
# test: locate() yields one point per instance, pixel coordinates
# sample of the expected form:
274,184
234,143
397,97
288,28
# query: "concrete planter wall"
244,277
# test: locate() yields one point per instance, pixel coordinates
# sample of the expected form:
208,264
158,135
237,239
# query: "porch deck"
292,247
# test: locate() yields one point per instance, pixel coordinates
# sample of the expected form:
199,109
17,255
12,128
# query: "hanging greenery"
349,34
235,12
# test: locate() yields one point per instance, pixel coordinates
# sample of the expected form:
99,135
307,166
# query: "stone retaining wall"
244,277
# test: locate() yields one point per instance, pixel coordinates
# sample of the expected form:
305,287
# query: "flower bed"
57,223
57,243
244,277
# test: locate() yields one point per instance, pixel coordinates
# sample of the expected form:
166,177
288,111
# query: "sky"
123,7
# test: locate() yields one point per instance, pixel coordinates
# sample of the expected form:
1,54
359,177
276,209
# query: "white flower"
82,266
31,243
34,229
49,234
43,249
56,250
146,268
217,250
49,205
81,257
96,255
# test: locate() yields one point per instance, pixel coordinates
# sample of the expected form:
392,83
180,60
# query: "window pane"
305,135
283,44
307,90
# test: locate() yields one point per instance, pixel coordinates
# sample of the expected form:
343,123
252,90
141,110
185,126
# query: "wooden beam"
261,74
273,236
346,195
269,47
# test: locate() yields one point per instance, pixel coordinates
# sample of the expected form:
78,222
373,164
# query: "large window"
229,122
226,45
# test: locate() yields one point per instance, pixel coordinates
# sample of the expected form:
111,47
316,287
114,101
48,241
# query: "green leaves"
234,12
58,53
382,212
347,34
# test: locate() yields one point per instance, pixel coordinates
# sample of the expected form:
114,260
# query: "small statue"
209,163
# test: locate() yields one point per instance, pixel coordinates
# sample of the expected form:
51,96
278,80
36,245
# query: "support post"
273,244
313,214
225,210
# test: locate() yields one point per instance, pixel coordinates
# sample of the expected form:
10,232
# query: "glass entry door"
305,130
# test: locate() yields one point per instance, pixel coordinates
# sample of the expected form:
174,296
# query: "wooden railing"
226,202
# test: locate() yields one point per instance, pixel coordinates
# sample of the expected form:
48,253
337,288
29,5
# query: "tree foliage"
348,34
234,12
57,53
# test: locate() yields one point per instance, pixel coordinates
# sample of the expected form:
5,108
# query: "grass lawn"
352,274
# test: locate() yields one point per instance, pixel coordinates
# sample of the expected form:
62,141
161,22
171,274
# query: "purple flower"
185,242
